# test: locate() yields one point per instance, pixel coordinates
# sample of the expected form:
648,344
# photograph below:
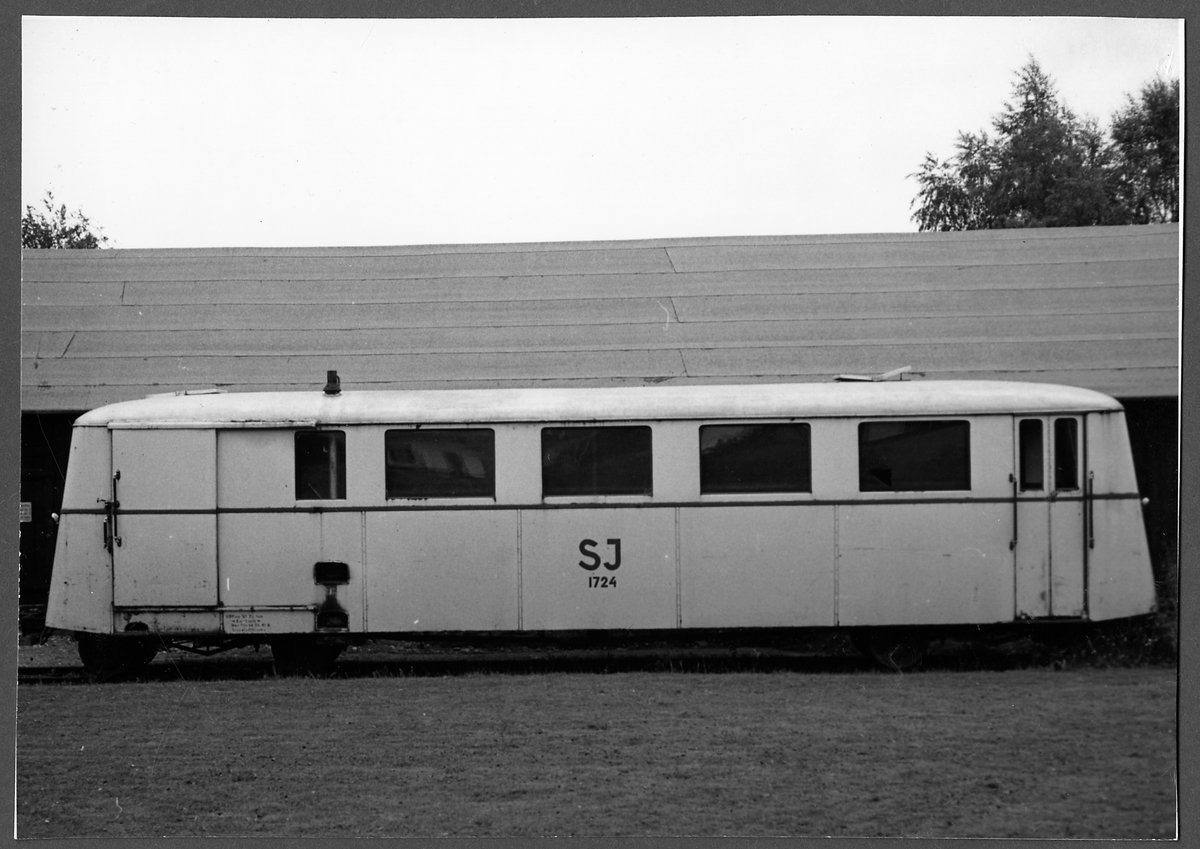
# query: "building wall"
1093,307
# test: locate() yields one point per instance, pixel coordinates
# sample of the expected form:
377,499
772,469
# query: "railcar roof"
776,400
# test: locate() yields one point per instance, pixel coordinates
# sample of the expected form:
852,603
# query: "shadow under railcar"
823,654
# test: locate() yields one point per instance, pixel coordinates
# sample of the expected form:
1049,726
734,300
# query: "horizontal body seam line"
416,424
218,607
596,505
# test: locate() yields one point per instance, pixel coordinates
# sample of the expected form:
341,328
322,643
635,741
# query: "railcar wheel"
111,657
896,649
304,655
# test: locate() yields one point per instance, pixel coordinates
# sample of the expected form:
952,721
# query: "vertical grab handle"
1091,516
112,511
1013,545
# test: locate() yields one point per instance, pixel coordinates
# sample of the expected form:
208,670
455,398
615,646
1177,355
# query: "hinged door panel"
164,535
1050,507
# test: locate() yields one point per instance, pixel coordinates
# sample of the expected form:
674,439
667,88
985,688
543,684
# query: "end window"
320,465
596,460
1032,475
1066,454
914,456
755,458
440,463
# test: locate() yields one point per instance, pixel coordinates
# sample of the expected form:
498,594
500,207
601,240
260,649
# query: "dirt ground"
1035,753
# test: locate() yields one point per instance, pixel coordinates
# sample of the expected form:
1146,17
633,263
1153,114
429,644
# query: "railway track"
376,664
371,662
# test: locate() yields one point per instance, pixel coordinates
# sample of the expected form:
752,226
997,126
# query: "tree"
954,193
1145,141
1047,168
57,228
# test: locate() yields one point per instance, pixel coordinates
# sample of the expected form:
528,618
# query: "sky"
178,133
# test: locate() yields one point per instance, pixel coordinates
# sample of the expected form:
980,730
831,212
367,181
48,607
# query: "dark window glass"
1032,475
596,461
914,456
1066,454
755,458
440,463
320,465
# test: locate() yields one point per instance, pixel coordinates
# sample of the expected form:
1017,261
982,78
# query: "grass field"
1025,753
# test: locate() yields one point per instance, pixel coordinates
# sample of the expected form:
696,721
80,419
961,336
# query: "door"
164,525
1049,516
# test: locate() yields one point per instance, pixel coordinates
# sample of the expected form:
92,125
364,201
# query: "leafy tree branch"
55,227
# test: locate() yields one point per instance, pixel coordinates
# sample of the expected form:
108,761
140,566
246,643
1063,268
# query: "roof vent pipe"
333,386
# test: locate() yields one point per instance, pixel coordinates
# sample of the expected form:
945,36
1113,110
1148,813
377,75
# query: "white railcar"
307,519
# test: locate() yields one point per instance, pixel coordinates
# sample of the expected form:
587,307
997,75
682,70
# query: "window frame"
968,421
594,497
760,495
341,486
1074,452
490,498
1027,441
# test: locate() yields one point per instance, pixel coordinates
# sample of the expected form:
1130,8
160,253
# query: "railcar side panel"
268,560
924,564
166,560
1120,582
518,470
598,568
757,566
174,621
255,469
1120,579
1111,455
435,570
81,594
81,590
676,461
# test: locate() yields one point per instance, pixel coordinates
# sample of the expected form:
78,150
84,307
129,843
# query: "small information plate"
245,622
26,511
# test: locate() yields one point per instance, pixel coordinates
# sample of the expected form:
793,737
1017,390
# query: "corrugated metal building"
1092,307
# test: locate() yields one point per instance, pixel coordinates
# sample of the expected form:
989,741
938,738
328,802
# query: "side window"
1066,454
596,460
755,458
914,456
1032,476
448,463
320,465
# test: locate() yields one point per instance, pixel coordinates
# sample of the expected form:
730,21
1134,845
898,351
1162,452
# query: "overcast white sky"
172,132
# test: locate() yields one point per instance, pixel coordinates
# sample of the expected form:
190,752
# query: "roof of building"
1091,307
576,404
